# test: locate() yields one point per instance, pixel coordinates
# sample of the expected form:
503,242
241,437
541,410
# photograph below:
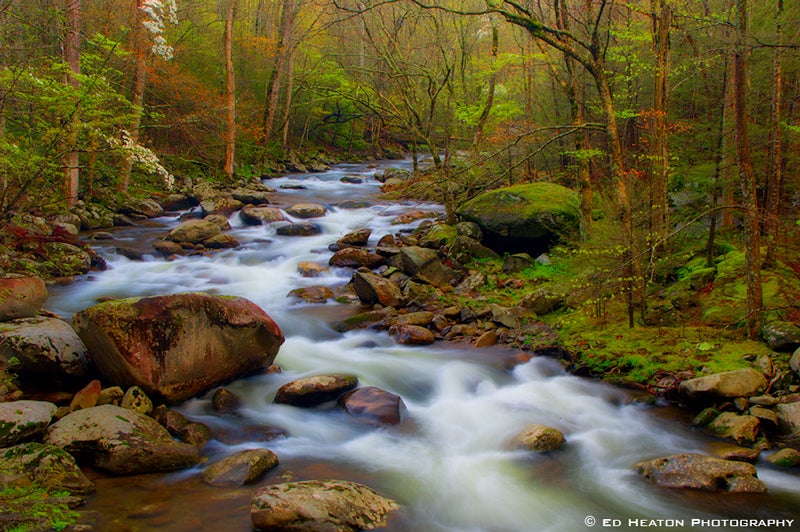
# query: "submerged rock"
241,468
320,505
696,471
178,346
120,441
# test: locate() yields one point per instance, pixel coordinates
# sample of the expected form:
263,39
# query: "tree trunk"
746,176
230,93
487,108
72,56
278,73
775,170
718,158
662,16
287,107
137,98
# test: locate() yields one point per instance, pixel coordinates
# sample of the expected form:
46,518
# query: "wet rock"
242,468
320,505
781,336
374,406
220,220
225,401
359,237
306,210
136,399
311,269
789,420
372,288
222,241
705,417
487,339
86,397
172,420
539,438
35,464
120,441
314,391
261,215
221,204
412,335
24,420
728,384
299,229
728,451
696,471
312,294
365,319
178,346
194,232
167,248
742,429
21,296
251,197
786,457
353,180
356,258
46,348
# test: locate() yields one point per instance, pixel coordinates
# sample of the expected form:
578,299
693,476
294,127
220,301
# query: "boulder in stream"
314,391
320,505
697,471
728,384
374,406
241,468
121,441
178,346
21,296
539,438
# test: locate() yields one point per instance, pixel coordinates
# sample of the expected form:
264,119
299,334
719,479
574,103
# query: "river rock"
372,288
194,232
135,399
306,210
172,420
261,215
789,420
794,362
299,229
178,346
45,347
21,296
424,265
356,258
412,335
374,406
422,318
249,196
110,396
65,260
320,505
487,339
743,429
48,466
311,269
438,235
146,208
86,397
786,457
167,248
225,401
696,471
313,391
730,451
24,420
728,384
312,294
221,241
463,248
242,468
539,438
524,217
120,441
781,336
359,237
224,204
470,230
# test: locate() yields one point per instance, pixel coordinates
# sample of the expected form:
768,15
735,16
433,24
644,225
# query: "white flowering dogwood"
156,12
141,156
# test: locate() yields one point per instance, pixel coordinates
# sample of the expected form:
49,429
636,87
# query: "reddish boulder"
21,296
178,346
374,406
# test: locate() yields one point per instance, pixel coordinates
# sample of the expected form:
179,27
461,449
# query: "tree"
72,57
230,91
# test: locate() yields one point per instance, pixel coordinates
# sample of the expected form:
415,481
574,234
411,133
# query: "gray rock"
24,420
46,347
320,505
789,418
696,471
728,384
120,441
781,336
145,207
299,229
242,468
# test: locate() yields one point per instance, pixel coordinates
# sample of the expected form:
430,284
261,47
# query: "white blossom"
141,156
156,12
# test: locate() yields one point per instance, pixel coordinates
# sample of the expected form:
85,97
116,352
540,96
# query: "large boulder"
21,296
120,441
355,258
178,346
261,215
314,391
697,471
145,208
728,384
30,464
45,348
194,232
524,217
24,420
320,505
374,406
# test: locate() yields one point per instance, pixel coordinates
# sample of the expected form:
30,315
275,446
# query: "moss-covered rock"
24,420
696,471
48,466
524,217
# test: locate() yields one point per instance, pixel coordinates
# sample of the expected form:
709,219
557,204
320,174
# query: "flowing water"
449,464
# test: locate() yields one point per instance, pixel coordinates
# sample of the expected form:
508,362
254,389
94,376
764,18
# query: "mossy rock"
524,217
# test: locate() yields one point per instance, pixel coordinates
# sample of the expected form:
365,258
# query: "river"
449,463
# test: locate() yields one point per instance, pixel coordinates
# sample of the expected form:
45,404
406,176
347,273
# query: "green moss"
35,508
